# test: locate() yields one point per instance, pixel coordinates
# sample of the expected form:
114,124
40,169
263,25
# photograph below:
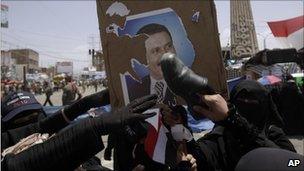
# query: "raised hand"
129,114
218,109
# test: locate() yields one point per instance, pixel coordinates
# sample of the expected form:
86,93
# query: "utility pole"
92,52
92,47
265,39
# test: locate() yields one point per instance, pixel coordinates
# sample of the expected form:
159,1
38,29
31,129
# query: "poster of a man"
131,59
161,38
195,42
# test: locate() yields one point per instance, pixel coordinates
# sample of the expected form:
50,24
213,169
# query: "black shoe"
183,82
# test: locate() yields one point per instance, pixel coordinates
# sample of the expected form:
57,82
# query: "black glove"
112,122
57,121
135,131
81,106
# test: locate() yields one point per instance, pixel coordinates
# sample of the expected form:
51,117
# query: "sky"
58,30
65,30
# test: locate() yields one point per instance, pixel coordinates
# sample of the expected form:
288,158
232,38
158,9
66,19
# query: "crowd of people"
247,126
68,86
7,87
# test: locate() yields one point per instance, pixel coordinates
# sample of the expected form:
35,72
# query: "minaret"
243,35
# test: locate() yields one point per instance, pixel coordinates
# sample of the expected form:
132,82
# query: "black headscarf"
254,102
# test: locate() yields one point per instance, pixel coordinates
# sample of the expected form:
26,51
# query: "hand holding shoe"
183,82
218,109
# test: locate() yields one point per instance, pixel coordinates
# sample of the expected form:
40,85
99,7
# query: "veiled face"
156,45
254,109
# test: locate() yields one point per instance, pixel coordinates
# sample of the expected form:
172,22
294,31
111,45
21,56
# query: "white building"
65,67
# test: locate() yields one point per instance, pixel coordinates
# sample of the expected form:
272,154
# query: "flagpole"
265,39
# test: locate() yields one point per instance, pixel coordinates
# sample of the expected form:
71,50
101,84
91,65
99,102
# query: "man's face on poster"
156,45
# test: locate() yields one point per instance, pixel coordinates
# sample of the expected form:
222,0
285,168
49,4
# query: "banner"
135,34
4,16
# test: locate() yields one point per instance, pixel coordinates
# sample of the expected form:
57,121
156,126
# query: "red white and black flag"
289,32
156,140
159,141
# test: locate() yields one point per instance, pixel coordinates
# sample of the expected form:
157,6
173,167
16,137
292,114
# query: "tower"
243,35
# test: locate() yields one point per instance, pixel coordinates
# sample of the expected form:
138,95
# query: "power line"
70,52
48,35
43,53
20,40
23,41
74,60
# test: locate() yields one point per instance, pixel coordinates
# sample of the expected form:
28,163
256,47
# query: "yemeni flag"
156,140
289,32
159,143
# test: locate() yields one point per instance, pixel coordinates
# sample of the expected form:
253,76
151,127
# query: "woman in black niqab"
256,123
253,102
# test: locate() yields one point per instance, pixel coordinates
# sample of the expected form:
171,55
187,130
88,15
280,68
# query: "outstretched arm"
56,121
78,142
